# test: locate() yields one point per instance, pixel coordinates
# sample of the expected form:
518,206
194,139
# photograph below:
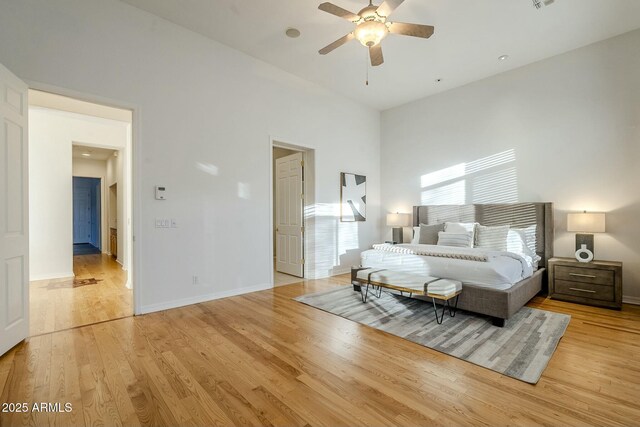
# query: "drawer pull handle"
583,290
582,275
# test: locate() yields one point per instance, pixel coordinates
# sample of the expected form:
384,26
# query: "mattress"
501,270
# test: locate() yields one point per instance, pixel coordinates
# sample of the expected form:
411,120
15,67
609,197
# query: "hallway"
97,293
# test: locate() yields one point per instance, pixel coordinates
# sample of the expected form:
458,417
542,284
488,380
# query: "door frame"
309,200
133,163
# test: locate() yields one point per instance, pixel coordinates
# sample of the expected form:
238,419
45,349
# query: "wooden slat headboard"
518,215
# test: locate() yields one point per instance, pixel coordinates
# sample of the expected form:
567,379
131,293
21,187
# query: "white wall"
90,168
205,115
50,184
51,134
572,124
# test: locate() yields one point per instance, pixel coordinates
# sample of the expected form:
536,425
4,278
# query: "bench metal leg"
455,307
379,292
364,292
446,305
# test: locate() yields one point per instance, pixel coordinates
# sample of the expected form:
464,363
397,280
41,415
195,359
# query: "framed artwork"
353,197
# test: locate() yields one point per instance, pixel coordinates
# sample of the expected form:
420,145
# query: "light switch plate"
163,223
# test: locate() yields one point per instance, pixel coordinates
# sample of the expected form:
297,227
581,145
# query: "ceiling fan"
372,26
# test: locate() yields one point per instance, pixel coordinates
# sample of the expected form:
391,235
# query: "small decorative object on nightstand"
596,283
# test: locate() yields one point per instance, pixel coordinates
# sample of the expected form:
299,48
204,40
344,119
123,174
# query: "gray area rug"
521,349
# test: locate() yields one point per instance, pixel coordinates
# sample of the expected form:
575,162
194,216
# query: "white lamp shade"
586,222
398,220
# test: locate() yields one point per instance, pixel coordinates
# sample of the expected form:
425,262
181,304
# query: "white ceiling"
469,37
54,101
96,153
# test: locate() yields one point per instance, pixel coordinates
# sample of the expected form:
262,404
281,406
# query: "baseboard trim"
151,308
36,278
631,300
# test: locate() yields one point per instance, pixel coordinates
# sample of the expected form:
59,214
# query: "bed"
497,287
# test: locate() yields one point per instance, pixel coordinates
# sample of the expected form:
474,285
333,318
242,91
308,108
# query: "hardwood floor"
281,279
264,359
56,304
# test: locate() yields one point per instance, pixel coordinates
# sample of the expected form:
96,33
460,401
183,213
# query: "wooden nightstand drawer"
593,275
585,290
596,283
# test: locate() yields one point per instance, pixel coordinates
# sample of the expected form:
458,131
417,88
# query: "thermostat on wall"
161,192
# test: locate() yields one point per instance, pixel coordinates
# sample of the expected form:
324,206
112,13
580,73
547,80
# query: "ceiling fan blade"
415,30
336,44
375,52
338,11
388,6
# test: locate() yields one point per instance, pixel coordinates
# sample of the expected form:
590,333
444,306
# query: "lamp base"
397,234
586,240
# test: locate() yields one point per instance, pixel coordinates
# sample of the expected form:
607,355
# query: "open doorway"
289,196
86,215
80,175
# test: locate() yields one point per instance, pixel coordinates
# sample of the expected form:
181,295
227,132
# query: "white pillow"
416,236
492,237
462,227
461,240
523,241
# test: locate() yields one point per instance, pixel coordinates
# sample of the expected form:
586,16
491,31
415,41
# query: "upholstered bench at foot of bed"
499,304
411,284
397,280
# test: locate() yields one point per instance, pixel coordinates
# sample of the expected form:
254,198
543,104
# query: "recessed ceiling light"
503,57
86,154
292,32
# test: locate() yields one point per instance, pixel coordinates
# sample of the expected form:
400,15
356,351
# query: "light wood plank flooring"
56,305
281,279
264,359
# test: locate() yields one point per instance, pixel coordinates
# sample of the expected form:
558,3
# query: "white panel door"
289,215
14,219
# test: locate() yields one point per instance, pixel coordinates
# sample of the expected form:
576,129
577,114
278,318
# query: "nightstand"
596,283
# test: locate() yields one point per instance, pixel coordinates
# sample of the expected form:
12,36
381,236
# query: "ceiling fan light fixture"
371,33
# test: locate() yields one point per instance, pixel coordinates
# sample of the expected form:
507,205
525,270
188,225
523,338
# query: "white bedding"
500,271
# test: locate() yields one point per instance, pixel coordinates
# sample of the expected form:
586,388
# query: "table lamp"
583,223
397,221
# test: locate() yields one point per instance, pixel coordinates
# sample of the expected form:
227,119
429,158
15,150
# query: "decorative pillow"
461,227
523,241
416,236
429,233
461,240
492,237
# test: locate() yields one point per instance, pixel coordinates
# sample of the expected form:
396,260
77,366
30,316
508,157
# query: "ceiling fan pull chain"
366,62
